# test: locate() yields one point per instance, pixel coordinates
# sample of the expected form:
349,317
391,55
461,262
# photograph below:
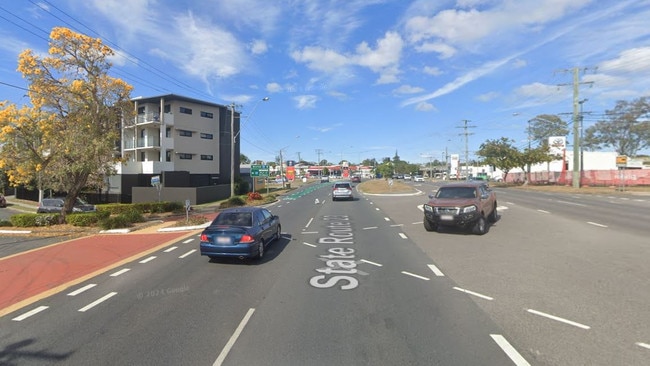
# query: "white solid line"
78,291
396,225
188,253
170,249
233,338
121,271
543,211
386,219
509,350
416,223
373,263
310,232
309,223
566,321
311,245
370,227
473,293
148,259
188,241
97,302
644,345
403,236
30,313
596,224
416,276
435,270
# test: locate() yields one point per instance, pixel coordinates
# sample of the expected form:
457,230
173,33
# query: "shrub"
32,219
133,215
83,219
233,202
5,223
255,196
115,222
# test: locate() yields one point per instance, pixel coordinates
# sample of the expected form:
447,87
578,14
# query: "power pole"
465,126
576,124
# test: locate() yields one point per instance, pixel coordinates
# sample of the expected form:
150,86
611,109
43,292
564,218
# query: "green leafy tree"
501,154
244,159
627,128
544,126
68,134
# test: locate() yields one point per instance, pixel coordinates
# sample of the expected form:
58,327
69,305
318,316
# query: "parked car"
241,232
342,190
469,204
3,201
55,204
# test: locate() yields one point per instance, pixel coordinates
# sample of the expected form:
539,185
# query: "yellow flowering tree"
67,138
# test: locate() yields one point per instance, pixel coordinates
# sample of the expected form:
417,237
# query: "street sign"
155,180
621,161
259,170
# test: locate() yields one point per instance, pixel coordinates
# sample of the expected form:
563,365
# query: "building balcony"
142,143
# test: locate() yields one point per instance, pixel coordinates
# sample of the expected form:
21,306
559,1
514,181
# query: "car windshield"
456,192
234,219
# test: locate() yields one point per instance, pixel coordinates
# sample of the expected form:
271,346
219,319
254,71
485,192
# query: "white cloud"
445,50
273,88
408,89
424,107
338,95
488,96
258,47
434,71
519,63
320,59
632,60
305,101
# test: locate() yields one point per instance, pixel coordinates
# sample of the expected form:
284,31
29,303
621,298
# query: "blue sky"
356,79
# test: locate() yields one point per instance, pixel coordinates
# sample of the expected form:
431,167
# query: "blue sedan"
242,232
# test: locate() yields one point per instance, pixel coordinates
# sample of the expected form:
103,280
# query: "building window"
168,108
140,110
206,114
206,157
185,133
185,110
168,155
168,132
208,136
185,156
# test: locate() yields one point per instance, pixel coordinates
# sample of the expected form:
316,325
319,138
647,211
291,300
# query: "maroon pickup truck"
464,204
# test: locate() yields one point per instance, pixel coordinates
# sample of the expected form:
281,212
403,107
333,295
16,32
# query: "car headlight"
428,208
468,209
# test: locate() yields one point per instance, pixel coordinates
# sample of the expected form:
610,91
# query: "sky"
359,79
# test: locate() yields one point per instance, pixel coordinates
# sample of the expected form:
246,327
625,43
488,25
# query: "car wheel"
278,233
480,227
429,226
492,217
260,250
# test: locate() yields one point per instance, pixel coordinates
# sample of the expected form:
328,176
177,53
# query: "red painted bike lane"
30,276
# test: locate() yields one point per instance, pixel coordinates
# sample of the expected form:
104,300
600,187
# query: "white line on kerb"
188,253
369,227
233,338
473,293
543,211
509,350
30,313
148,259
170,249
310,245
78,291
188,241
98,301
309,223
644,345
369,262
435,270
553,317
121,271
416,276
596,224
403,236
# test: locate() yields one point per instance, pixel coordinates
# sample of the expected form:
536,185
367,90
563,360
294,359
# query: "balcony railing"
143,143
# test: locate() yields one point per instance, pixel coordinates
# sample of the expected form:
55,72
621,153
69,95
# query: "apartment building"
184,141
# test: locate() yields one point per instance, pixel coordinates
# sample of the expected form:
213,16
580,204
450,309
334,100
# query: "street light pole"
233,137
